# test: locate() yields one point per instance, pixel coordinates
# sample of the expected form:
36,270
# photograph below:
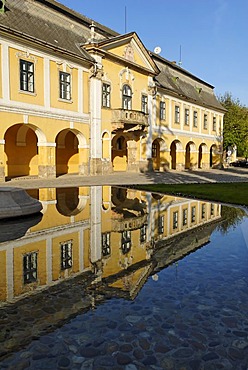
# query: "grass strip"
233,193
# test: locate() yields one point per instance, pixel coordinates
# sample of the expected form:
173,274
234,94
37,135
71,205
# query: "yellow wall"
56,102
23,96
3,280
57,273
40,248
1,92
86,92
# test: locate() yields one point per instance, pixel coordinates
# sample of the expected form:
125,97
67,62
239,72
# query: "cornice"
63,116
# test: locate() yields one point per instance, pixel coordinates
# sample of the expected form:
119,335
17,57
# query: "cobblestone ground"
170,177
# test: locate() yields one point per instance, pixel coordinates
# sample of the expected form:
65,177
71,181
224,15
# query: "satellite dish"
157,50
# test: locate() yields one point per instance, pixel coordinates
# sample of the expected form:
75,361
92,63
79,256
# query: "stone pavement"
230,175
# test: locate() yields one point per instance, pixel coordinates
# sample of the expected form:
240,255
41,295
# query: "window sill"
27,93
65,101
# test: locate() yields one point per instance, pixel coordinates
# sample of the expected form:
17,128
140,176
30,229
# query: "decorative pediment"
129,53
129,48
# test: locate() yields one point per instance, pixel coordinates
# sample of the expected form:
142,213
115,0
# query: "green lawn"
234,193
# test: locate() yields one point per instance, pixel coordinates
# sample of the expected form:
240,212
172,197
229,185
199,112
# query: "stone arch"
69,202
190,156
22,133
213,160
119,153
105,145
71,152
159,148
203,161
176,150
22,150
60,139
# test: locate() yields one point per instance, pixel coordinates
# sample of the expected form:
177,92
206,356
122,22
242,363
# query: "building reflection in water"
90,243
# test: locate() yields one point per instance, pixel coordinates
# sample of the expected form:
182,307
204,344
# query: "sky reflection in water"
125,279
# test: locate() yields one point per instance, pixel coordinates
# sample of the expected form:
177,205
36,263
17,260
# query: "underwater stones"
64,363
89,352
240,343
210,356
123,359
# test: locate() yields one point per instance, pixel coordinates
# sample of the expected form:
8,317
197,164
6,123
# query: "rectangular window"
177,114
26,76
212,209
106,244
30,267
205,122
126,241
186,117
193,210
161,224
214,123
175,220
195,119
144,104
185,216
162,110
66,255
106,95
65,85
127,97
203,213
143,234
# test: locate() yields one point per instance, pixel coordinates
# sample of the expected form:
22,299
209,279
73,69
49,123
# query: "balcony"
132,223
129,120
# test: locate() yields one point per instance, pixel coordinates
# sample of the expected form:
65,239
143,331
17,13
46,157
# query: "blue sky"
212,33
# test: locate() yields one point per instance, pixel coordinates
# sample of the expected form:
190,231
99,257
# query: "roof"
183,84
105,31
52,24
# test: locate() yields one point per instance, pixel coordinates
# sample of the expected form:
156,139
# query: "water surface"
110,278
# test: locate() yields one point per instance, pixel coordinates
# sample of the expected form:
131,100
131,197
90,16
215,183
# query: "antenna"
157,50
180,56
125,19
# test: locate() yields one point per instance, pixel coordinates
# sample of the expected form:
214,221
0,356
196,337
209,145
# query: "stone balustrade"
122,117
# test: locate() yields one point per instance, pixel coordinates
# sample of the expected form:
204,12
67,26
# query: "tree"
235,127
231,217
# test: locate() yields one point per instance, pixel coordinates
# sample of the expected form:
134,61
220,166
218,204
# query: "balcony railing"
134,223
126,117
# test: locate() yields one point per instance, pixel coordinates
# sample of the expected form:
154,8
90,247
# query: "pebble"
240,343
123,359
210,356
64,363
89,352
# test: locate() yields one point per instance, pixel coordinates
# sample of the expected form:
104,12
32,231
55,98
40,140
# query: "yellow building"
102,230
77,97
188,125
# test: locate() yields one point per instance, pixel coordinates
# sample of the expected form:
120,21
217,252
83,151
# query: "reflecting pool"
114,278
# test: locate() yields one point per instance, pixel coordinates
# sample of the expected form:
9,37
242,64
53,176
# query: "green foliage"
231,217
235,130
221,192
